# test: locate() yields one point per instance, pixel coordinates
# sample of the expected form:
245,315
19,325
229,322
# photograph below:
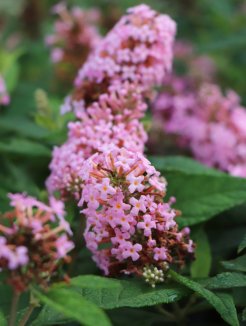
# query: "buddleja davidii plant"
34,245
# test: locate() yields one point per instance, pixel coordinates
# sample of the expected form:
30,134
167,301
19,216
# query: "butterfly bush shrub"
130,225
122,192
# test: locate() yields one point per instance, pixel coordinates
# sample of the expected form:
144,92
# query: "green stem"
27,315
14,307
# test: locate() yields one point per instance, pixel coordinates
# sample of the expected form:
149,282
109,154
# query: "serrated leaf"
73,305
201,193
222,303
202,264
225,281
242,245
111,293
238,264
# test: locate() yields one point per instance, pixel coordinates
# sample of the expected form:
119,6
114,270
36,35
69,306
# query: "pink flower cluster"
34,240
75,35
109,122
109,98
129,226
138,49
4,97
211,125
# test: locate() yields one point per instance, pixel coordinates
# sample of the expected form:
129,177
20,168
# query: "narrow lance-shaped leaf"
222,303
238,264
111,293
74,306
225,280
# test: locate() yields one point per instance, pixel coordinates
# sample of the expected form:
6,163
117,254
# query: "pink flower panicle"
138,50
211,125
130,229
108,123
75,36
34,241
4,96
109,98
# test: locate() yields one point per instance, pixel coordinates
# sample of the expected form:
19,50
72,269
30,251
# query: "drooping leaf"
201,193
225,280
111,293
202,264
73,305
222,303
238,264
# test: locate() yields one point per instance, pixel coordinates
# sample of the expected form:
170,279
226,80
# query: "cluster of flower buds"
109,96
209,124
74,38
4,97
130,229
34,241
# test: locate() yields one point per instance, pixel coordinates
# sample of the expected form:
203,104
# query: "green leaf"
225,281
222,303
3,321
181,164
238,264
201,193
202,264
110,293
242,245
22,126
24,147
49,316
74,306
